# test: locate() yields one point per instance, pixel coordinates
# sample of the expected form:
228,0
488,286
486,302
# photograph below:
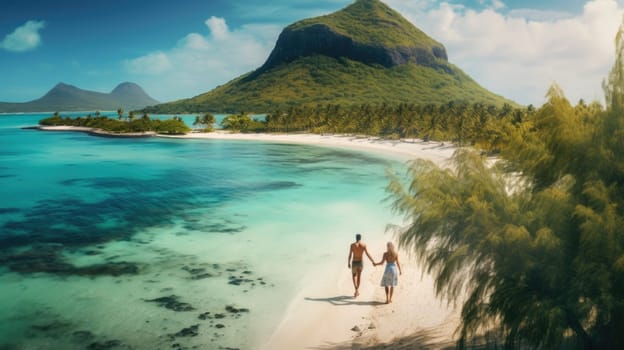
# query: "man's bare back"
358,249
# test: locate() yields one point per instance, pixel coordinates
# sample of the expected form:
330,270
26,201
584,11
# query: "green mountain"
364,53
64,97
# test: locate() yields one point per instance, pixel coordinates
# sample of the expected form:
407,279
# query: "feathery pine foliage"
536,241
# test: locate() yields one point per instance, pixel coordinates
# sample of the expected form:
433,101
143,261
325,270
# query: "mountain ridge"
354,33
67,98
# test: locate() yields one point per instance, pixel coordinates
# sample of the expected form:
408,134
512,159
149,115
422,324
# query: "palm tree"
208,120
434,116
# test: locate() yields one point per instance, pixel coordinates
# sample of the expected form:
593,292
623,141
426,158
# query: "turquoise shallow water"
149,243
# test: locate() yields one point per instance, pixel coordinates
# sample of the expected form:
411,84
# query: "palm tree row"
485,126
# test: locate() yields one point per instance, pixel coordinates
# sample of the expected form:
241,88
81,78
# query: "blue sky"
184,48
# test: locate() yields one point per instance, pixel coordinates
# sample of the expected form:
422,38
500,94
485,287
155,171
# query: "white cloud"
23,38
200,62
518,56
539,15
218,28
152,63
498,4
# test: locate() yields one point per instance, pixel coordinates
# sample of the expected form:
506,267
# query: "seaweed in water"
172,303
191,331
49,259
68,223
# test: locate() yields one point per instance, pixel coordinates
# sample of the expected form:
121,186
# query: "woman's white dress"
391,276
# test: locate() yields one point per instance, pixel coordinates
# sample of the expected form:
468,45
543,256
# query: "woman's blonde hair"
392,250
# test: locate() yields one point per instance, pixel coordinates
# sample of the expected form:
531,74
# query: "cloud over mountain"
24,38
520,53
200,61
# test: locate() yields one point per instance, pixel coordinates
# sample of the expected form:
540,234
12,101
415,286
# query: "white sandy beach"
401,150
324,314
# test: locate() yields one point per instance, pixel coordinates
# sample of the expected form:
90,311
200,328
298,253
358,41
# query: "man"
356,265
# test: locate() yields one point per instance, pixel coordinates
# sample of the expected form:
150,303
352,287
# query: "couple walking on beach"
391,275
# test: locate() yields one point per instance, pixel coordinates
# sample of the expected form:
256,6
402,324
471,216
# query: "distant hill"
364,53
64,97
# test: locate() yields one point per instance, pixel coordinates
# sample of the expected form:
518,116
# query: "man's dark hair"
358,237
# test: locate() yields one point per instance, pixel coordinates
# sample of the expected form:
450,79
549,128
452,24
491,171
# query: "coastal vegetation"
242,122
532,245
204,122
120,126
486,127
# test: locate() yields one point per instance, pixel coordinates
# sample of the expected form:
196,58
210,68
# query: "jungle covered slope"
365,53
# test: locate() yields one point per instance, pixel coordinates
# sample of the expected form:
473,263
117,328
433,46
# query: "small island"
121,127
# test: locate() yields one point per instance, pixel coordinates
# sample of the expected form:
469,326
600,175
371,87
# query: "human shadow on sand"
344,300
426,339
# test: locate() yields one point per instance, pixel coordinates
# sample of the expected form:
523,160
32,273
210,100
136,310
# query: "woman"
391,276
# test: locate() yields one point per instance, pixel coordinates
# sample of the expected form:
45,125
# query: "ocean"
159,243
